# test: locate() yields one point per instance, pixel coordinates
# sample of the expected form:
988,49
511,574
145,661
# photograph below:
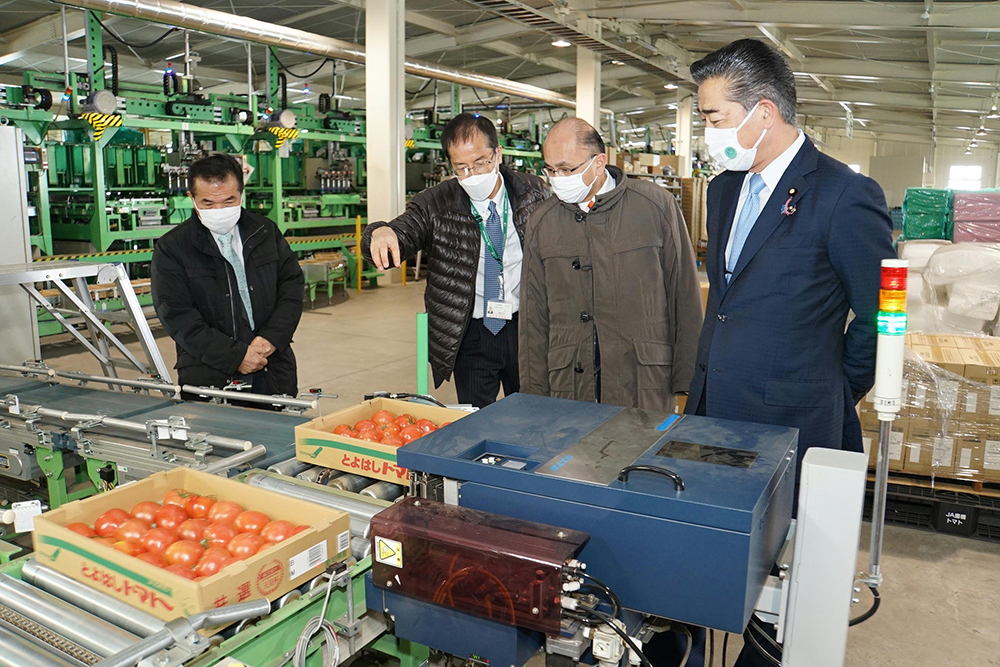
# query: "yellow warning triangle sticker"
385,551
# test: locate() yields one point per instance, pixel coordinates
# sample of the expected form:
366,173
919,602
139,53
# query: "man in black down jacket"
227,288
474,262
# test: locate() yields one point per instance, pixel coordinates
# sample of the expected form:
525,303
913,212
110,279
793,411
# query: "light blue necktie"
226,246
491,282
743,226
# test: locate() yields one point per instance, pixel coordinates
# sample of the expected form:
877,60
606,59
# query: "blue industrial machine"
685,515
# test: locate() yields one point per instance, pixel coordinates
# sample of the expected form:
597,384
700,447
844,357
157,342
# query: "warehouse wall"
858,150
947,156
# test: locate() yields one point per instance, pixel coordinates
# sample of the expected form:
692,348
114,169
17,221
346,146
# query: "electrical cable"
760,649
315,624
419,90
876,603
122,41
300,76
725,648
687,652
711,648
616,602
610,622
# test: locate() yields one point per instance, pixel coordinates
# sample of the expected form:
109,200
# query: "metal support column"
384,39
685,116
456,99
588,77
95,52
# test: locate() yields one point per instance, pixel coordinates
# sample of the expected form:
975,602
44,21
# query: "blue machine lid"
729,468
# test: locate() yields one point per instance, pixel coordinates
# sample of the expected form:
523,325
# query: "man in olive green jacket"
610,299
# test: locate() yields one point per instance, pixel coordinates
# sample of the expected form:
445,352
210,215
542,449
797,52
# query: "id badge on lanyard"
499,309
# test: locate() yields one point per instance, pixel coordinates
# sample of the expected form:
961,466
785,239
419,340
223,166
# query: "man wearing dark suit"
796,240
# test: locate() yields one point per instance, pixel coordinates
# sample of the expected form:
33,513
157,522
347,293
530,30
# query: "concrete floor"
941,597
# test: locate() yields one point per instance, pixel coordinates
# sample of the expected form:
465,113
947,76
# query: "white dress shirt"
237,242
609,185
772,176
512,255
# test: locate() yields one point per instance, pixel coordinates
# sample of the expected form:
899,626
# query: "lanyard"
486,237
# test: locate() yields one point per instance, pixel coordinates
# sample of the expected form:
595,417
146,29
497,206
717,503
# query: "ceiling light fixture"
670,86
973,144
981,132
618,62
561,43
968,151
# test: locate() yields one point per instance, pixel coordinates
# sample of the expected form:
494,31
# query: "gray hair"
586,135
753,71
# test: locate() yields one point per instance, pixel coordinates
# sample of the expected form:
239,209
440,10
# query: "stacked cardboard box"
694,206
950,422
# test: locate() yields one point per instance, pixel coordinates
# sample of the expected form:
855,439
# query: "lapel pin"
788,208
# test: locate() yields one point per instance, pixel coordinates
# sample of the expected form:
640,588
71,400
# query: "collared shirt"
237,242
512,255
609,185
772,176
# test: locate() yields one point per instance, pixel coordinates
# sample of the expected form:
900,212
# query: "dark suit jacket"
773,348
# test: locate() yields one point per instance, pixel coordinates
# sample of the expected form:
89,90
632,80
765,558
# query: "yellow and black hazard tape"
283,134
90,255
410,143
101,122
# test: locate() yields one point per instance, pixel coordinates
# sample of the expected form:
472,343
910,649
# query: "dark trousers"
485,362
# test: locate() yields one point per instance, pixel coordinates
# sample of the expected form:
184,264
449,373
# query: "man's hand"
262,346
253,361
385,246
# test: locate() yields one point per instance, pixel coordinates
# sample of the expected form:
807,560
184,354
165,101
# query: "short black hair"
216,168
753,71
586,134
464,127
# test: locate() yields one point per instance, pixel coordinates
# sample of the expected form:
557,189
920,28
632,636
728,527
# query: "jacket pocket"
797,393
562,374
654,370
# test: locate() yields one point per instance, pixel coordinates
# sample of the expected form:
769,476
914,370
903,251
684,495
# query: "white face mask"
572,189
725,148
479,187
220,220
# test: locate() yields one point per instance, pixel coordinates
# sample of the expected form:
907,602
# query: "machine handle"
678,482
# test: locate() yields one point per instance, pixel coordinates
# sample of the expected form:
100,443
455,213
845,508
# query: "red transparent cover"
496,567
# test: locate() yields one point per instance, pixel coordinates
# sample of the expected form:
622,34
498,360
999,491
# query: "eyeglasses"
478,167
549,171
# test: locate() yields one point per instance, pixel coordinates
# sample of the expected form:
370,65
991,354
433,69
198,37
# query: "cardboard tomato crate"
268,574
316,443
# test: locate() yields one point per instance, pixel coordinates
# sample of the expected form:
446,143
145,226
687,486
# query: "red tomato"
152,559
107,524
158,540
251,522
176,497
198,506
383,417
224,511
82,529
211,562
392,428
410,433
219,534
344,429
426,425
193,529
371,435
364,425
393,441
130,547
277,531
133,529
299,529
245,545
146,510
404,420
170,517
184,552
106,541
182,571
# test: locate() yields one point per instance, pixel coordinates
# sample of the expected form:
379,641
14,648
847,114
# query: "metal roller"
289,467
75,624
360,510
361,547
100,604
384,491
236,460
15,651
350,483
311,475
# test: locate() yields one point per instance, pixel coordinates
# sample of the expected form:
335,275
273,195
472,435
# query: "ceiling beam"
16,43
476,34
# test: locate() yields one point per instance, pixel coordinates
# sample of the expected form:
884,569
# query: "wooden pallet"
988,489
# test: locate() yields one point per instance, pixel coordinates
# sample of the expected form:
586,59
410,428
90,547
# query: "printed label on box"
944,452
971,402
965,459
368,464
343,541
948,394
389,552
914,453
895,446
991,459
920,396
307,560
995,401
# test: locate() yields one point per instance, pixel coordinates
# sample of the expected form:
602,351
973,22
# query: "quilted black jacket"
439,221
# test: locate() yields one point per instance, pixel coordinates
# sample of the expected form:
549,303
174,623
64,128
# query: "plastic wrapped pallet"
969,275
977,231
925,226
978,206
927,214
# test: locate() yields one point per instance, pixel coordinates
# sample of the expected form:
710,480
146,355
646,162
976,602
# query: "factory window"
856,168
965,177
